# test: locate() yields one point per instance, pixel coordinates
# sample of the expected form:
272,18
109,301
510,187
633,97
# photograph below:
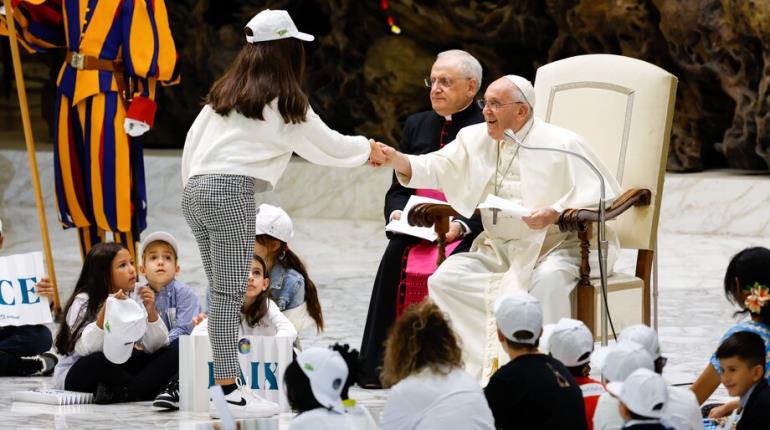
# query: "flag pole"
31,157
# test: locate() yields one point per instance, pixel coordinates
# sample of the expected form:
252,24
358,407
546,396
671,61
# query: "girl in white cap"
290,285
256,115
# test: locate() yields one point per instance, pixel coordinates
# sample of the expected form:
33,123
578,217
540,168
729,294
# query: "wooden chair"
623,108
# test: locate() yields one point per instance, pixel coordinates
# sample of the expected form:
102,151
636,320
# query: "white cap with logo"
160,236
643,335
273,25
125,322
275,222
327,372
619,360
571,342
519,313
644,392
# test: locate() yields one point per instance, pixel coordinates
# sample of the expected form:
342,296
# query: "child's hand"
148,299
722,411
199,318
44,288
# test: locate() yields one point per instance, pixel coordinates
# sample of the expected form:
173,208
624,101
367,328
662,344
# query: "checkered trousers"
220,210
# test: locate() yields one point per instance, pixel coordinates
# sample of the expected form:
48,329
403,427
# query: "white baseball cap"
125,322
274,221
160,236
519,312
525,87
274,25
643,335
619,360
644,392
327,372
571,342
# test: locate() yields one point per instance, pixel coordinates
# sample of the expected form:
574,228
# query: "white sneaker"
244,403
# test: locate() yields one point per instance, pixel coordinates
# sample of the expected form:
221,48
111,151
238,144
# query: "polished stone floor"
339,235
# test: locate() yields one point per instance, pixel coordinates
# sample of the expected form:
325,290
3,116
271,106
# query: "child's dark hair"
290,260
95,280
298,391
258,309
580,371
747,346
355,366
523,335
262,72
750,266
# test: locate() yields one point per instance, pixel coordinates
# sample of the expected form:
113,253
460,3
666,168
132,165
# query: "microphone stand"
602,223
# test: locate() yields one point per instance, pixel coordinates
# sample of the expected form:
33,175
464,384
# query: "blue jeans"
21,341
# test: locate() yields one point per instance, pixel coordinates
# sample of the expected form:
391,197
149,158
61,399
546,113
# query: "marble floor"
341,239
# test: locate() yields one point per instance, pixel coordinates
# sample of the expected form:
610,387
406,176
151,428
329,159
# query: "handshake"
381,154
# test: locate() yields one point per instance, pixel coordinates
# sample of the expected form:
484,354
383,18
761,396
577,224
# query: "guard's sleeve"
150,55
39,25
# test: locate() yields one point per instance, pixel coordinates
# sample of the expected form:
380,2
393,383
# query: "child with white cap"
616,362
643,397
314,385
113,346
682,411
533,390
572,343
290,285
256,115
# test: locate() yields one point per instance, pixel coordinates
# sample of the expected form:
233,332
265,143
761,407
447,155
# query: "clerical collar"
463,113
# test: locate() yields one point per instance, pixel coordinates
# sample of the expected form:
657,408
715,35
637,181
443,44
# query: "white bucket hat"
327,372
571,342
519,312
125,322
644,392
275,222
619,360
273,25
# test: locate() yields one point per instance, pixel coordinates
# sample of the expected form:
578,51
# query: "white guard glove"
135,128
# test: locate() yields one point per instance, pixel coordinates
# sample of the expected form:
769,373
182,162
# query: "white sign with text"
19,302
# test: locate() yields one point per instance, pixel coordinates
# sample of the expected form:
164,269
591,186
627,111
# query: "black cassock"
424,132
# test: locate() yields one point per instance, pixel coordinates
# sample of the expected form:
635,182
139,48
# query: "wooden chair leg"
643,271
586,294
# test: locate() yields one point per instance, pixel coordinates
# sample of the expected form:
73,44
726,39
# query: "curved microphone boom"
510,136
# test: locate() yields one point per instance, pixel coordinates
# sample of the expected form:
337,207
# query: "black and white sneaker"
244,403
40,365
168,399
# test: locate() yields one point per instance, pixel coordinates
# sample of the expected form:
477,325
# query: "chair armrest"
577,219
436,215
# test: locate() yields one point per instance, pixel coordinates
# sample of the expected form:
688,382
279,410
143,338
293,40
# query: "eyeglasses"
441,82
494,105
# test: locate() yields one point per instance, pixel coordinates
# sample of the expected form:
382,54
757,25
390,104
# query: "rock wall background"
364,79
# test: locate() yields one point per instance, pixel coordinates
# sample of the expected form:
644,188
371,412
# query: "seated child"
175,302
314,385
682,411
642,398
572,343
23,348
617,362
747,279
290,285
259,317
108,271
742,362
533,390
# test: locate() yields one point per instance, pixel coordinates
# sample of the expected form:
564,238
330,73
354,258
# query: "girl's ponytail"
292,261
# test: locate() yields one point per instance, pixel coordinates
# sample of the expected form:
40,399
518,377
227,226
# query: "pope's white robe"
503,258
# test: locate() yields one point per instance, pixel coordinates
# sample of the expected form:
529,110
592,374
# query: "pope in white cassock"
513,253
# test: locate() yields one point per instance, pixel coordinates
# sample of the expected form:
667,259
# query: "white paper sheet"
402,225
495,202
